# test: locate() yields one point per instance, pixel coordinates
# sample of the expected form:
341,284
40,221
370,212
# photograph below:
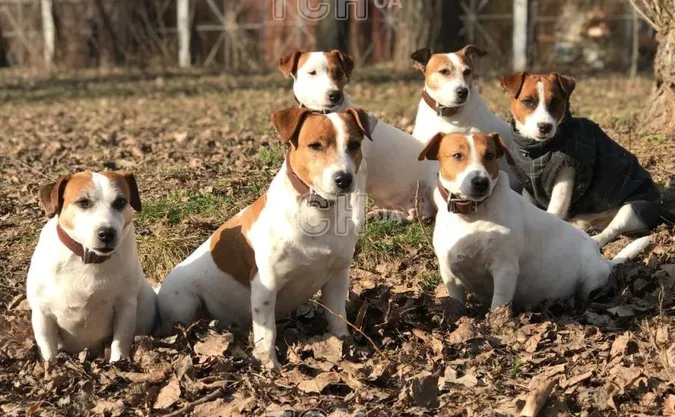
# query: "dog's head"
539,102
319,77
448,77
325,150
469,167
93,208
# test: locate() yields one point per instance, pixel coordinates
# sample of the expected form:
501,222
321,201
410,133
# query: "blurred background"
243,36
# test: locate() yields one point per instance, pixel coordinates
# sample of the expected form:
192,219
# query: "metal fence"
242,35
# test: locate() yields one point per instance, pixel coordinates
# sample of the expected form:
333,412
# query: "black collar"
457,205
300,105
441,110
313,199
534,149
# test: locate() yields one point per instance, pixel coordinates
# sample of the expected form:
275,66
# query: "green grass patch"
386,240
176,207
428,281
271,156
655,139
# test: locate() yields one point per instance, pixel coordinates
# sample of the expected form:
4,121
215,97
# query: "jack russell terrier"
296,239
570,167
450,102
491,241
319,79
85,284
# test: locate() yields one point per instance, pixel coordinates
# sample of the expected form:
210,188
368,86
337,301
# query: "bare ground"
202,148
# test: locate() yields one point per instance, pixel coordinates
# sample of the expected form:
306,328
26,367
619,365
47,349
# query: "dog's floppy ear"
51,196
288,65
566,83
134,196
421,58
346,61
287,122
471,51
430,151
513,83
364,120
502,148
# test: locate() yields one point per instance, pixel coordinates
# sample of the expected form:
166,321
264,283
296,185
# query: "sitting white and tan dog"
450,102
570,167
492,242
319,80
85,283
296,239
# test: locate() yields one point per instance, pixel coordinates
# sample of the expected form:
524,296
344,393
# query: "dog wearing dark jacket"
570,167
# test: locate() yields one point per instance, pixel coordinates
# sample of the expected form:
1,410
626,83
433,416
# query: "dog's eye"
528,102
84,203
316,146
119,203
489,156
312,73
458,156
554,102
445,72
339,74
467,72
353,145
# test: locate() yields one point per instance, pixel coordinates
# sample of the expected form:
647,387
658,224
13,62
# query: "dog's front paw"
268,359
117,355
339,330
599,240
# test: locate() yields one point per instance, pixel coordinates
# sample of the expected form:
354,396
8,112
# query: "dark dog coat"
607,175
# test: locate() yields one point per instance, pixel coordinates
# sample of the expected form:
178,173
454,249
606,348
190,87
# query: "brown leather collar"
313,199
455,205
441,110
87,256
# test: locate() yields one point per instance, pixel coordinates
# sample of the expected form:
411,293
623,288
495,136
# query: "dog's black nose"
544,128
335,96
462,92
344,180
480,184
106,234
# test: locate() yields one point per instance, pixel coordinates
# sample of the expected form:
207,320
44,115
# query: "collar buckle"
462,206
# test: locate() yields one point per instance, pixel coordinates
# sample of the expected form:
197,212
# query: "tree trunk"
659,115
419,26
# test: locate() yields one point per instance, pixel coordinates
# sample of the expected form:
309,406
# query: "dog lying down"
570,167
493,242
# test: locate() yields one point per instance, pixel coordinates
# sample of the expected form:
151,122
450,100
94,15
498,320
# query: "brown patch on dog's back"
230,248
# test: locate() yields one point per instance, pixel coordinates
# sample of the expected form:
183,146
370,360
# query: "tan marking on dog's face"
528,100
438,71
454,154
487,151
538,103
231,250
449,78
121,182
320,77
79,186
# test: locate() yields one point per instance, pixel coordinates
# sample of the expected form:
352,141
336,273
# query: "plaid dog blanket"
607,175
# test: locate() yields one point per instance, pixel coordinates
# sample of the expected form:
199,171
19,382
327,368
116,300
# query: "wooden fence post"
183,23
48,31
520,29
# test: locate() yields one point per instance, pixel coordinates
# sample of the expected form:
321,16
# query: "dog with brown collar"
491,241
85,283
296,239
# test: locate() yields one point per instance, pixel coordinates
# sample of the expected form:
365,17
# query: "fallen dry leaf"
318,383
168,395
215,344
538,396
